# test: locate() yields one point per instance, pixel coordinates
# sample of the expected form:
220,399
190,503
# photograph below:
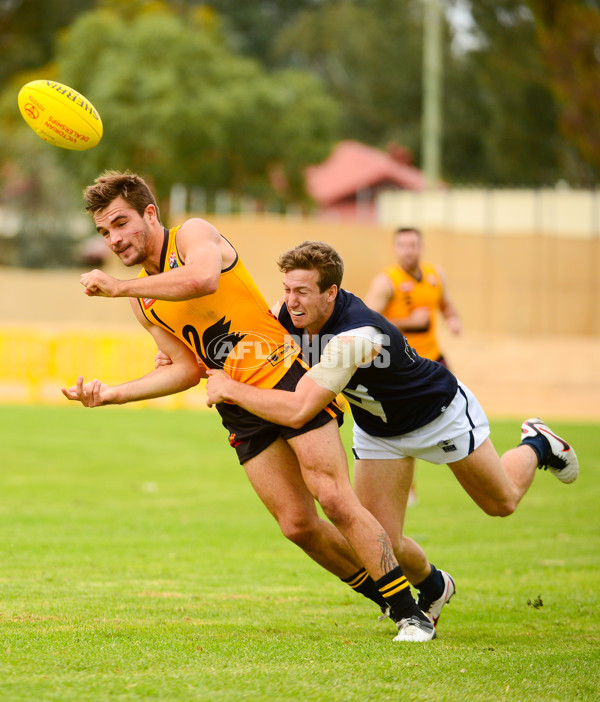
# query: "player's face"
309,308
407,248
125,232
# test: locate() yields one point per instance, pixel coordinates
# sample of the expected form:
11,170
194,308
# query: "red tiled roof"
354,166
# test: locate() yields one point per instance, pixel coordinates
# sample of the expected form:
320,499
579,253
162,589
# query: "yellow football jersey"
232,329
410,293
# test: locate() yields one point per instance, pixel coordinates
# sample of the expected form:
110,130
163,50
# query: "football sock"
433,586
362,582
396,590
540,445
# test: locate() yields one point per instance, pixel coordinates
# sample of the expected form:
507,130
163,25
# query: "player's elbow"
296,422
191,375
210,285
301,417
198,287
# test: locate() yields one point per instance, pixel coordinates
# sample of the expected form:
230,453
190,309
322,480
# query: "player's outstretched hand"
216,386
100,284
92,394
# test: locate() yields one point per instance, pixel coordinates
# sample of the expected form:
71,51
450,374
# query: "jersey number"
360,397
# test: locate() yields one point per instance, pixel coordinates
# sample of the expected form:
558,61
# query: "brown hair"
315,255
406,230
113,184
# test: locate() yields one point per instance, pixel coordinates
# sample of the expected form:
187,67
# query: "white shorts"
450,437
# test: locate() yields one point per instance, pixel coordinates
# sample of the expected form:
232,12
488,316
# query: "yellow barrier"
35,363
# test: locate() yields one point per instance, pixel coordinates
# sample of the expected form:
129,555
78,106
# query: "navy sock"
540,445
433,586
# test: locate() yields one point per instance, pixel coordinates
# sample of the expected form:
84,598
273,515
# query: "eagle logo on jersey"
217,342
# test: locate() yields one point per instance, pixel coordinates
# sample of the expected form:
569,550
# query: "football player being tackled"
196,299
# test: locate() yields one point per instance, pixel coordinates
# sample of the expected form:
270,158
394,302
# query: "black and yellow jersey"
410,293
231,329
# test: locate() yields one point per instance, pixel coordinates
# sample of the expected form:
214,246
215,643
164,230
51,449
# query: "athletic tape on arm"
340,359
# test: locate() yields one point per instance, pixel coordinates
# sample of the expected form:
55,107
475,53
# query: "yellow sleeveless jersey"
410,293
232,329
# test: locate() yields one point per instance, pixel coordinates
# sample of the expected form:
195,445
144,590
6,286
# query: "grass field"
137,563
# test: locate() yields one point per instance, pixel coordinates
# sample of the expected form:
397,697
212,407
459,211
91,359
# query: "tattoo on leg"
388,559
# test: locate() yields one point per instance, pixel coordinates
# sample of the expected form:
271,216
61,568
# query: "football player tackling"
404,406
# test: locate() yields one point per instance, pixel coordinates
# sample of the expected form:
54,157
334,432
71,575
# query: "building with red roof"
345,186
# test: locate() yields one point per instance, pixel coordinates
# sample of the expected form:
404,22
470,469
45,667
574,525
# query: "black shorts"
250,435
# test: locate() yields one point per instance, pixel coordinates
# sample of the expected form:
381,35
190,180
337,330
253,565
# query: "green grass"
137,563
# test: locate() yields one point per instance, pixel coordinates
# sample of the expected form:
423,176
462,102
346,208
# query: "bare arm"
315,390
204,252
448,309
291,409
161,359
182,373
379,295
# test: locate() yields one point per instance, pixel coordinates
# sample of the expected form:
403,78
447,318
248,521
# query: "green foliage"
568,36
38,193
185,95
502,127
28,29
138,564
252,27
369,54
178,106
500,116
509,107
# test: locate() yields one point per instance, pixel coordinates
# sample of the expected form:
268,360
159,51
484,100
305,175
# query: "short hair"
113,184
311,255
406,230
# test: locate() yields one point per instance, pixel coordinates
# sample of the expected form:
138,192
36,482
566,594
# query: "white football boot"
561,461
434,609
415,629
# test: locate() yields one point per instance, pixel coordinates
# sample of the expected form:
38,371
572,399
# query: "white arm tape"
339,360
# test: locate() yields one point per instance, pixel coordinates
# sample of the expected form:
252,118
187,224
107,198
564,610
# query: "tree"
28,28
569,36
177,105
36,193
252,27
509,131
369,55
500,109
503,100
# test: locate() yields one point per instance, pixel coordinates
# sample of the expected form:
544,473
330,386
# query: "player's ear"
150,212
332,293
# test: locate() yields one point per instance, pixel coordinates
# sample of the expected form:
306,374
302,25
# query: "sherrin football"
60,115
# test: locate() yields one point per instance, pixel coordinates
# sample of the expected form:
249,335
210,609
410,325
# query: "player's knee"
301,532
398,547
336,508
500,508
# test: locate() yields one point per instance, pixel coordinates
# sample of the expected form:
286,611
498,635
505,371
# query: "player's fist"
100,284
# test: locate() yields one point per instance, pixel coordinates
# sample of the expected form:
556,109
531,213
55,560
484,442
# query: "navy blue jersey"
399,391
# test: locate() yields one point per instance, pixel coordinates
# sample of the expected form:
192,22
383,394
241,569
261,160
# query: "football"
60,115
